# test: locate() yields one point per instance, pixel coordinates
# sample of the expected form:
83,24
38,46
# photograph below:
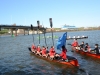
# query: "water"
15,58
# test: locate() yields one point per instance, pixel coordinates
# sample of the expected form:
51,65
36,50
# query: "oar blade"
51,25
31,27
38,23
50,22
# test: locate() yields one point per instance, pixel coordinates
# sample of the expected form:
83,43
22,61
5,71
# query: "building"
68,27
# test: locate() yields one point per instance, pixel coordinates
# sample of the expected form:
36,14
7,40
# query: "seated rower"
44,52
78,37
82,46
96,49
52,52
38,50
33,48
74,37
83,36
63,54
87,47
69,37
74,44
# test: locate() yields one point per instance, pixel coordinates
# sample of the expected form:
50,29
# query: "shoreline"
48,32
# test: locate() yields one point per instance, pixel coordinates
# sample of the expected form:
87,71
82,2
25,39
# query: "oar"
45,37
38,23
32,32
69,44
50,19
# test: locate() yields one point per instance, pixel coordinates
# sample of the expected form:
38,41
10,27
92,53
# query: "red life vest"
43,51
33,47
63,54
38,49
75,44
52,52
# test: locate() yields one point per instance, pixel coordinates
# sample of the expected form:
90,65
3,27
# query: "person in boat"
38,49
74,36
96,49
82,46
69,37
52,52
78,37
33,48
74,44
63,54
87,47
83,36
44,52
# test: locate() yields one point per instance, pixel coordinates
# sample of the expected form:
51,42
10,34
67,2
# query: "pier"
15,28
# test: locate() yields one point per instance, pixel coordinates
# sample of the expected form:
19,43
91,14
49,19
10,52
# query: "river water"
15,58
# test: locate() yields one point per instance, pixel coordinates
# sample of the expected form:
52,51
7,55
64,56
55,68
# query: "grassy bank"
4,31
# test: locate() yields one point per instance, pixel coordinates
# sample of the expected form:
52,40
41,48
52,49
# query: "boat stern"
74,62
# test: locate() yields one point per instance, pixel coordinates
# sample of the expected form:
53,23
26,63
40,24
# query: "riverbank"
72,30
6,33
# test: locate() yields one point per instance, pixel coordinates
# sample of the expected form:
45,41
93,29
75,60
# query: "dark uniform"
82,46
97,50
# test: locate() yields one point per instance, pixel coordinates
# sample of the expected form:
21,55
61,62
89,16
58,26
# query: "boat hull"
87,53
72,61
77,38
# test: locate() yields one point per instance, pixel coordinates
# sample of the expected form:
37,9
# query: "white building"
68,27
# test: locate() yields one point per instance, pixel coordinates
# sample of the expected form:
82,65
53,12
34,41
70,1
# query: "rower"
52,53
83,36
87,47
96,49
38,49
63,54
74,37
33,48
78,37
82,46
44,52
69,37
74,44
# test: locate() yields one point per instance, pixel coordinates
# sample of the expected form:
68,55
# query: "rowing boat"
71,60
90,54
77,38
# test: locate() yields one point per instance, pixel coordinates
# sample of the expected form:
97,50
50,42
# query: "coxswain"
96,49
33,48
63,54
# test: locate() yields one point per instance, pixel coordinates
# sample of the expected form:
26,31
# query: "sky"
81,13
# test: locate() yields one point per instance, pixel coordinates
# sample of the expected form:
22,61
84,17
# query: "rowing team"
78,36
51,53
85,47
